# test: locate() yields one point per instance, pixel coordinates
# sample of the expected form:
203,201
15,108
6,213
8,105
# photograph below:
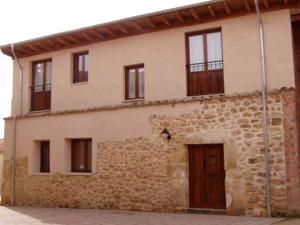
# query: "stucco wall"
164,56
1,172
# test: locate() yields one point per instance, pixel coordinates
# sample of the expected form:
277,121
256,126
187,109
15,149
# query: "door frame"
188,177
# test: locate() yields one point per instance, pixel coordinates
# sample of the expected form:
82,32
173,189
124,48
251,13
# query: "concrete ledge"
137,104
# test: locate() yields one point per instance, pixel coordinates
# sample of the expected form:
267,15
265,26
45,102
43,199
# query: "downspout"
264,90
13,183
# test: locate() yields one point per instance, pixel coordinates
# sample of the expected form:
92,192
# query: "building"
160,112
1,164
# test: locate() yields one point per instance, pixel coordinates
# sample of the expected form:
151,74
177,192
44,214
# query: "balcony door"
41,85
204,63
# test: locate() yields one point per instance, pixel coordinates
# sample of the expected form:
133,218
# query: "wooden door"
204,63
207,176
41,85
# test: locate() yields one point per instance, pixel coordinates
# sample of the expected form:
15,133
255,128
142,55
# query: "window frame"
205,49
86,160
33,76
76,73
40,95
220,80
137,88
44,156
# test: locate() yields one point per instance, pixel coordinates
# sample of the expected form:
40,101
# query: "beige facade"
133,167
164,56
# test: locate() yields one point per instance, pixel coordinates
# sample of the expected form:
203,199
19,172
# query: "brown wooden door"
41,85
207,176
204,63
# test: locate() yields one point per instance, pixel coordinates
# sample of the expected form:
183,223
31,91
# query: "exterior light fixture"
166,134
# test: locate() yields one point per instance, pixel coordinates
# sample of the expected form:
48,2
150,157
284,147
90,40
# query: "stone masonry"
151,174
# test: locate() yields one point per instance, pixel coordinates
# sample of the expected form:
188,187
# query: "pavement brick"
59,216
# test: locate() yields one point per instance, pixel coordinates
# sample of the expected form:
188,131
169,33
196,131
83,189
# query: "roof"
1,145
182,16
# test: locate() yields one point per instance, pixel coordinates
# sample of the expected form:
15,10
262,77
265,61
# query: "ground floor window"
81,155
45,156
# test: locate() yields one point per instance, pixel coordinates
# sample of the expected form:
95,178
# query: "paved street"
47,216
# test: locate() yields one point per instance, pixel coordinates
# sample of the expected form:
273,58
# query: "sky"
22,20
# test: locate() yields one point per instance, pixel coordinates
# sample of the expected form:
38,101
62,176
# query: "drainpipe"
264,90
13,194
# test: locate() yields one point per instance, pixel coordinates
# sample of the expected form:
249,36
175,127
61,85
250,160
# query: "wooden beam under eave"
86,36
151,23
266,4
179,17
124,29
72,39
211,11
194,14
108,31
32,48
96,34
247,5
227,8
22,50
137,26
166,21
42,46
62,41
49,44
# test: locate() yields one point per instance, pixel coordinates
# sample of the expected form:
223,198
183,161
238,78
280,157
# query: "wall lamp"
166,134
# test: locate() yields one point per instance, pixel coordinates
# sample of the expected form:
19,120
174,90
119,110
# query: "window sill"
79,83
134,100
205,95
40,174
39,111
78,174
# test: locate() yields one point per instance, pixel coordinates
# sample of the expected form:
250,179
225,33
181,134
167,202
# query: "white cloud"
21,20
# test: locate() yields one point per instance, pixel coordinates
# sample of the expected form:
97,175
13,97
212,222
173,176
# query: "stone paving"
58,216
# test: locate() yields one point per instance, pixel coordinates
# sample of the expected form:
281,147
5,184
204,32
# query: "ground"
52,216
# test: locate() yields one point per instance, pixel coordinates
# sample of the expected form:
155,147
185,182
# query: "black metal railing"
41,88
200,67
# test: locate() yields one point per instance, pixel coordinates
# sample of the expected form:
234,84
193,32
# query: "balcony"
205,78
41,97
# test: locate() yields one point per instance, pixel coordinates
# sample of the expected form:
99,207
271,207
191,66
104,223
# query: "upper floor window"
81,155
205,63
134,82
80,67
41,85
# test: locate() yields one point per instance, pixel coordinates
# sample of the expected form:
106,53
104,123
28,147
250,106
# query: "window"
134,82
80,67
205,62
41,85
81,155
45,156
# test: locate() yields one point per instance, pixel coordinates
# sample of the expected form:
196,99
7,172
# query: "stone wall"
150,174
291,153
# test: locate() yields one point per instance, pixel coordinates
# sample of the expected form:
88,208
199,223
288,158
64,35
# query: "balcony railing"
205,78
41,97
41,88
